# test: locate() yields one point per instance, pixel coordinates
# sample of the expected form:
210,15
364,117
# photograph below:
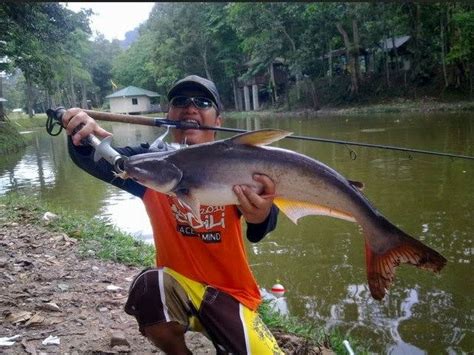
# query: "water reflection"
127,213
321,260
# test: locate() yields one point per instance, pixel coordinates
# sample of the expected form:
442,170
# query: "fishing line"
55,121
338,141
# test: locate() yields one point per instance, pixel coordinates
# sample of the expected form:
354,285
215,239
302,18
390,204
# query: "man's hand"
256,208
73,117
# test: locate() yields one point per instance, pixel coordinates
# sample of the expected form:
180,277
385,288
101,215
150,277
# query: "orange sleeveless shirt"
211,251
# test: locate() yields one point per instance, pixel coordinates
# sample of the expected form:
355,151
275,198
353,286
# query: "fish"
204,174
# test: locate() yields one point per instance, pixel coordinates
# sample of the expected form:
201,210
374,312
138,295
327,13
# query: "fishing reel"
103,148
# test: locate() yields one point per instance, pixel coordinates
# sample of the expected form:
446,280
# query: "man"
202,281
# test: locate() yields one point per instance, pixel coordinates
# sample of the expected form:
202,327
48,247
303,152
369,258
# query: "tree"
33,37
461,52
99,65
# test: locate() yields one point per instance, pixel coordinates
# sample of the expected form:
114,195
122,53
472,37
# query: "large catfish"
205,173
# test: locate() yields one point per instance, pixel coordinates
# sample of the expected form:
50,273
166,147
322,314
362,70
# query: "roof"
342,52
132,91
3,100
399,41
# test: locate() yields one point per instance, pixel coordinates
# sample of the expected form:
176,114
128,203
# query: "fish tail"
402,249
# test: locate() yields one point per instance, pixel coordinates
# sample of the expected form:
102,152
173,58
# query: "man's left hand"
256,208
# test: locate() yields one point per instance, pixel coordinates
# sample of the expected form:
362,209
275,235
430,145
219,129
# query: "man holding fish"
202,281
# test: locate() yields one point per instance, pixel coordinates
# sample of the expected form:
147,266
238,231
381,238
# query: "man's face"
206,117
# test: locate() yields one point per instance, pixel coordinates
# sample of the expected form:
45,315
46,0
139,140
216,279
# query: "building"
372,59
133,100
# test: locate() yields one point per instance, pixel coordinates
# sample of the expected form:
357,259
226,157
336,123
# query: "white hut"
132,100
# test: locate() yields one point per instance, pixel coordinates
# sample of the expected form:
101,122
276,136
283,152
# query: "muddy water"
321,260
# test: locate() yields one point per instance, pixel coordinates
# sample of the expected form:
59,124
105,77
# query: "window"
134,101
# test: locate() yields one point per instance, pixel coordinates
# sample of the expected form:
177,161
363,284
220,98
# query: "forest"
295,55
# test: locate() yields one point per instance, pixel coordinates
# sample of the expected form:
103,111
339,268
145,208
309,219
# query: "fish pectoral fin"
294,210
357,184
190,202
260,137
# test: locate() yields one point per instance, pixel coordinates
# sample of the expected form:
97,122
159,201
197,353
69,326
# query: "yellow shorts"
160,295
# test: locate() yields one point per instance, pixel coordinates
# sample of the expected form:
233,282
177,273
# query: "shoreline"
424,106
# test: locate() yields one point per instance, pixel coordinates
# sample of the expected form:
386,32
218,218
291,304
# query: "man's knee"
169,337
156,298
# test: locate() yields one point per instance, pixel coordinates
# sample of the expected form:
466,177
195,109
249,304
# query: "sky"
113,20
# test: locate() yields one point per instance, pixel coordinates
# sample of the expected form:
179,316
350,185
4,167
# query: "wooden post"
247,98
255,97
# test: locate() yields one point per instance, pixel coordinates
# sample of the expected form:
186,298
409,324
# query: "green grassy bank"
99,239
10,138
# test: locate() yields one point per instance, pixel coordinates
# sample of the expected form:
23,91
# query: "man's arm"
256,232
82,156
78,126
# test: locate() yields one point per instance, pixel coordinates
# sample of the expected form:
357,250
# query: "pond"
321,260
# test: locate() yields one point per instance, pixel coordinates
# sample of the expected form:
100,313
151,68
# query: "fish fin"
294,210
191,203
407,250
260,137
357,184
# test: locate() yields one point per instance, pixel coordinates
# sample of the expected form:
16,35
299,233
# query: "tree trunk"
84,96
299,74
417,38
273,83
206,65
355,49
236,97
330,63
443,50
350,60
29,95
395,51
72,100
316,105
2,111
386,57
470,81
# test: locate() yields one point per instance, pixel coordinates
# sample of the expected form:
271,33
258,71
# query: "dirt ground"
48,291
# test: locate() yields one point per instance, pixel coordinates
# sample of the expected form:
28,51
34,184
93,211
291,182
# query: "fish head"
153,171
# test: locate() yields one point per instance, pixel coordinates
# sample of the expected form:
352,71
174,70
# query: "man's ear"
218,120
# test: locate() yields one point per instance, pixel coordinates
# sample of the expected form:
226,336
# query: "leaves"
224,42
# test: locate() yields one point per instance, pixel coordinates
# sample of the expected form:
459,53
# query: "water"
321,260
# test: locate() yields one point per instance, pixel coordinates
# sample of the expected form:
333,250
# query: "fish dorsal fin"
294,210
261,137
357,184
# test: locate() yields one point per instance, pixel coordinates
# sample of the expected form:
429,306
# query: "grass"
96,237
22,122
10,139
99,239
309,331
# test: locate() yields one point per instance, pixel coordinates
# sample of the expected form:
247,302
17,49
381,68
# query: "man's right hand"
74,117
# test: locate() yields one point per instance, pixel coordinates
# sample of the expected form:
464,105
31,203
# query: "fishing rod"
163,122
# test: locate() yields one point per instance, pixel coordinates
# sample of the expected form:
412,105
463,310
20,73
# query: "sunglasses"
202,103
